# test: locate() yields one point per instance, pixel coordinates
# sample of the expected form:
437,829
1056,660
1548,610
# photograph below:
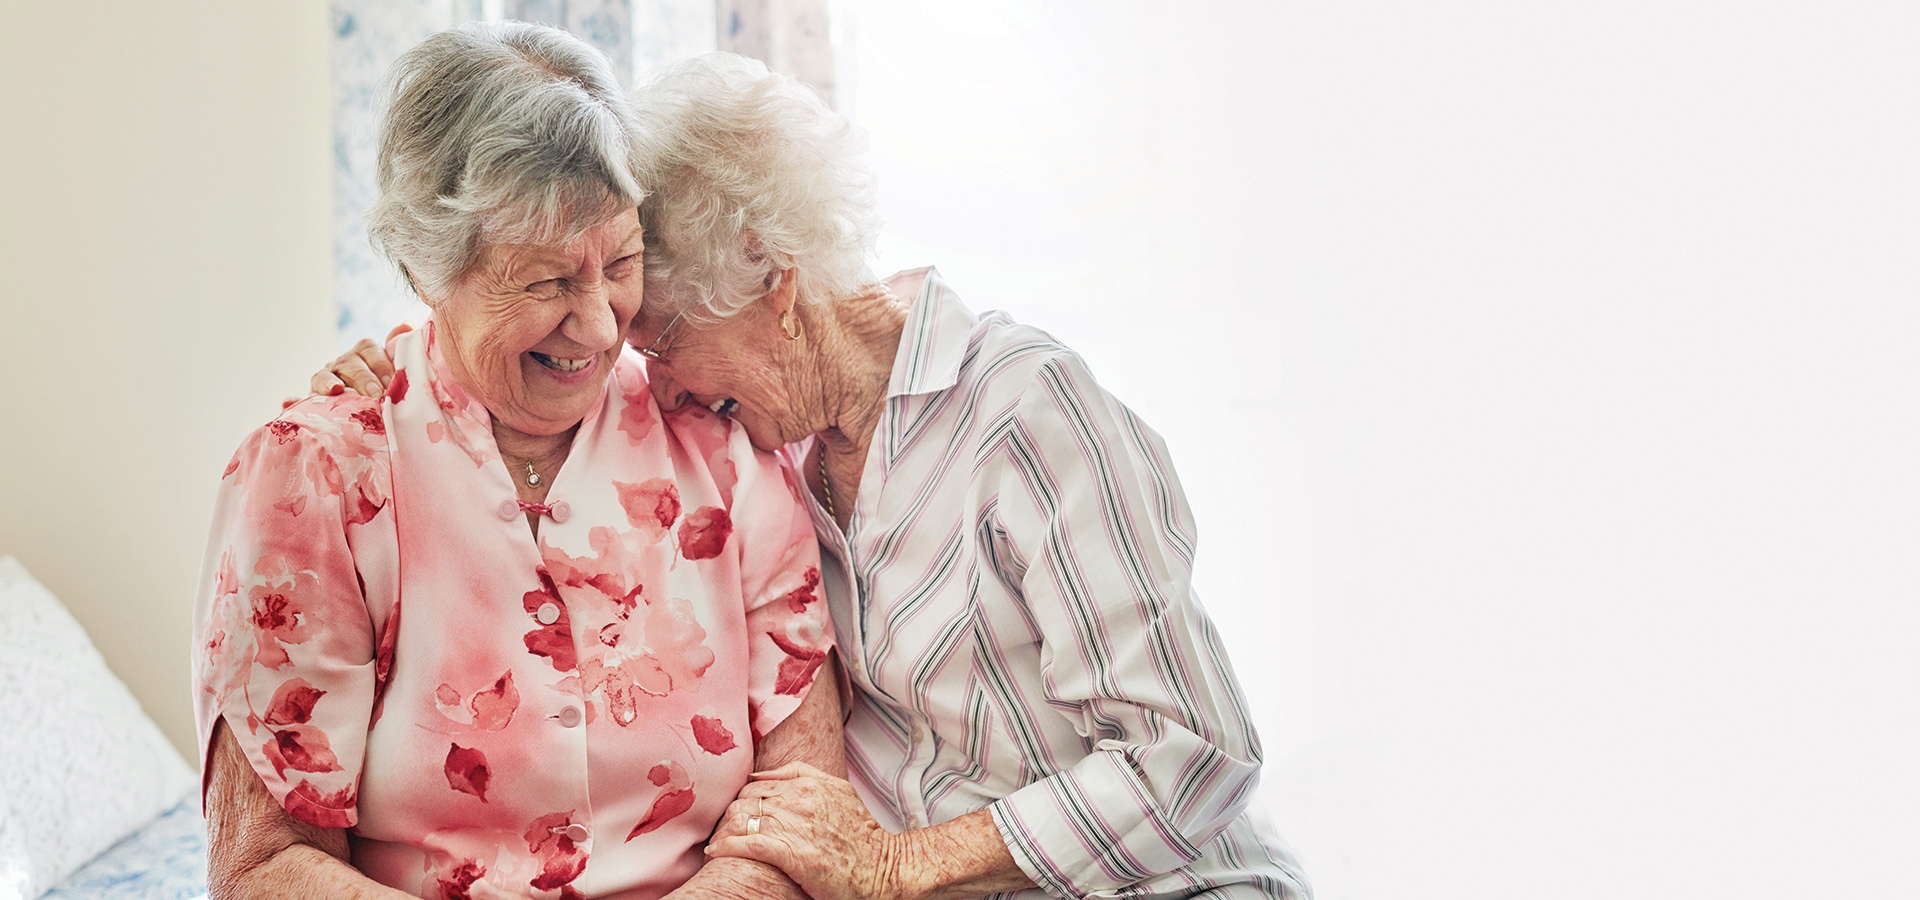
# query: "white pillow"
81,765
15,868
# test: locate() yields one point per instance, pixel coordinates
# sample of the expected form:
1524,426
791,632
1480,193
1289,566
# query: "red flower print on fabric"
798,598
637,416
226,578
458,884
796,671
467,771
486,710
712,736
555,641
651,504
277,607
704,532
371,421
621,686
618,569
306,803
674,633
674,800
493,708
397,388
302,748
383,663
282,430
293,703
561,861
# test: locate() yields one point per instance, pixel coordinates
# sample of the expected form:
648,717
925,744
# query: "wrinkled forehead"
573,248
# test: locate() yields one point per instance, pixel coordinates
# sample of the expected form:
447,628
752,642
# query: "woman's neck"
859,337
520,448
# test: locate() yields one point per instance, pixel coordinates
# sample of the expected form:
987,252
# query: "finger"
325,384
760,847
788,772
353,370
759,789
399,330
376,359
735,820
289,402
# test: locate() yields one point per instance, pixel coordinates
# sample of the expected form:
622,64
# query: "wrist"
902,878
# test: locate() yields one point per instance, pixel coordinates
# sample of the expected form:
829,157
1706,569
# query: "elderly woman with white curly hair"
508,629
1040,705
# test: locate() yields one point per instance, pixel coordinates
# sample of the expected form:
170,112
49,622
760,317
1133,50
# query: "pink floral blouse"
489,714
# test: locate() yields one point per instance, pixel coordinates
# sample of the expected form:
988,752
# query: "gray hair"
500,132
750,174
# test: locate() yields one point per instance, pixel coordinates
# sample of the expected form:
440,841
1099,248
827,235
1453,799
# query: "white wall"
163,283
1546,381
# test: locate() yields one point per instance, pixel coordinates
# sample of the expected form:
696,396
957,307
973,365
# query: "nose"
591,320
666,391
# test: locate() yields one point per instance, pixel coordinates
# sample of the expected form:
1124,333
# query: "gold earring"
790,325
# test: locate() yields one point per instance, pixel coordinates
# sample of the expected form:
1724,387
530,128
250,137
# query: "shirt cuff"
1090,830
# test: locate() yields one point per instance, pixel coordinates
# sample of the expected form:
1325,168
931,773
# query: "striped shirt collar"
935,338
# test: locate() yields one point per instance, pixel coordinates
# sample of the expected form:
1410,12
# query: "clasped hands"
812,826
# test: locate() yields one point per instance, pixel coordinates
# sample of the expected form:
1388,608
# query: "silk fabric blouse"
491,714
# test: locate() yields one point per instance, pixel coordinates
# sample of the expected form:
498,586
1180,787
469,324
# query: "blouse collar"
935,339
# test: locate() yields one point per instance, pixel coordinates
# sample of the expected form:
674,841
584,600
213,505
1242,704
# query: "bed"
94,802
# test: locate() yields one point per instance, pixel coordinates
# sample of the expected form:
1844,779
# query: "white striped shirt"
1014,608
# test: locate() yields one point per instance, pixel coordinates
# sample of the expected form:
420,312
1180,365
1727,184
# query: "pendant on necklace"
533,478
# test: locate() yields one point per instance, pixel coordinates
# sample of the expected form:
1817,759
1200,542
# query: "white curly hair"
750,174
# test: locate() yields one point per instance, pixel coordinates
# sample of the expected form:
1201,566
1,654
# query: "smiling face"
743,359
534,329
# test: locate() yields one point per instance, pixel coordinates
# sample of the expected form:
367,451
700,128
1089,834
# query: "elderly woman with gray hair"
1040,705
509,629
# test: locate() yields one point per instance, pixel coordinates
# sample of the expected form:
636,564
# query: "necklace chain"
826,487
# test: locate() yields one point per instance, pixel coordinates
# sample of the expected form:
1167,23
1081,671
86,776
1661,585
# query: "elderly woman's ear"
783,290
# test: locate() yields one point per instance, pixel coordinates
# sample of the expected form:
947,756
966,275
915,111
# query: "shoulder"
320,447
1019,362
344,426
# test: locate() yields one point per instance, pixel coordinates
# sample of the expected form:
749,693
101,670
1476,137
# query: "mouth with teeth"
724,405
561,364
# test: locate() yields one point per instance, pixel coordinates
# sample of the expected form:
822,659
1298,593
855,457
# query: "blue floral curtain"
368,35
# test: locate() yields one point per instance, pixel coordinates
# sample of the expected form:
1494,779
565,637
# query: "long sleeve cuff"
1090,830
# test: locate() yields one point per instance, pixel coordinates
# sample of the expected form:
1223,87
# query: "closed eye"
545,290
624,266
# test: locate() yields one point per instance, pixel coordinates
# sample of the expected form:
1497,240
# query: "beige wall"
164,270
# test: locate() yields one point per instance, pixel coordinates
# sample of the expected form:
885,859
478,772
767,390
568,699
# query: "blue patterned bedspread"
165,860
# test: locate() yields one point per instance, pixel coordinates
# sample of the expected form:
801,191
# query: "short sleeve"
788,632
285,644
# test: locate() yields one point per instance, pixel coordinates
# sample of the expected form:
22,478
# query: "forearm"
731,878
811,734
256,850
299,872
964,857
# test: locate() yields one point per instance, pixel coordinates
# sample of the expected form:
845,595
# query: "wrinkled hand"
814,828
365,367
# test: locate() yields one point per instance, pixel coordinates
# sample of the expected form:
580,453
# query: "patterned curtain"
791,36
